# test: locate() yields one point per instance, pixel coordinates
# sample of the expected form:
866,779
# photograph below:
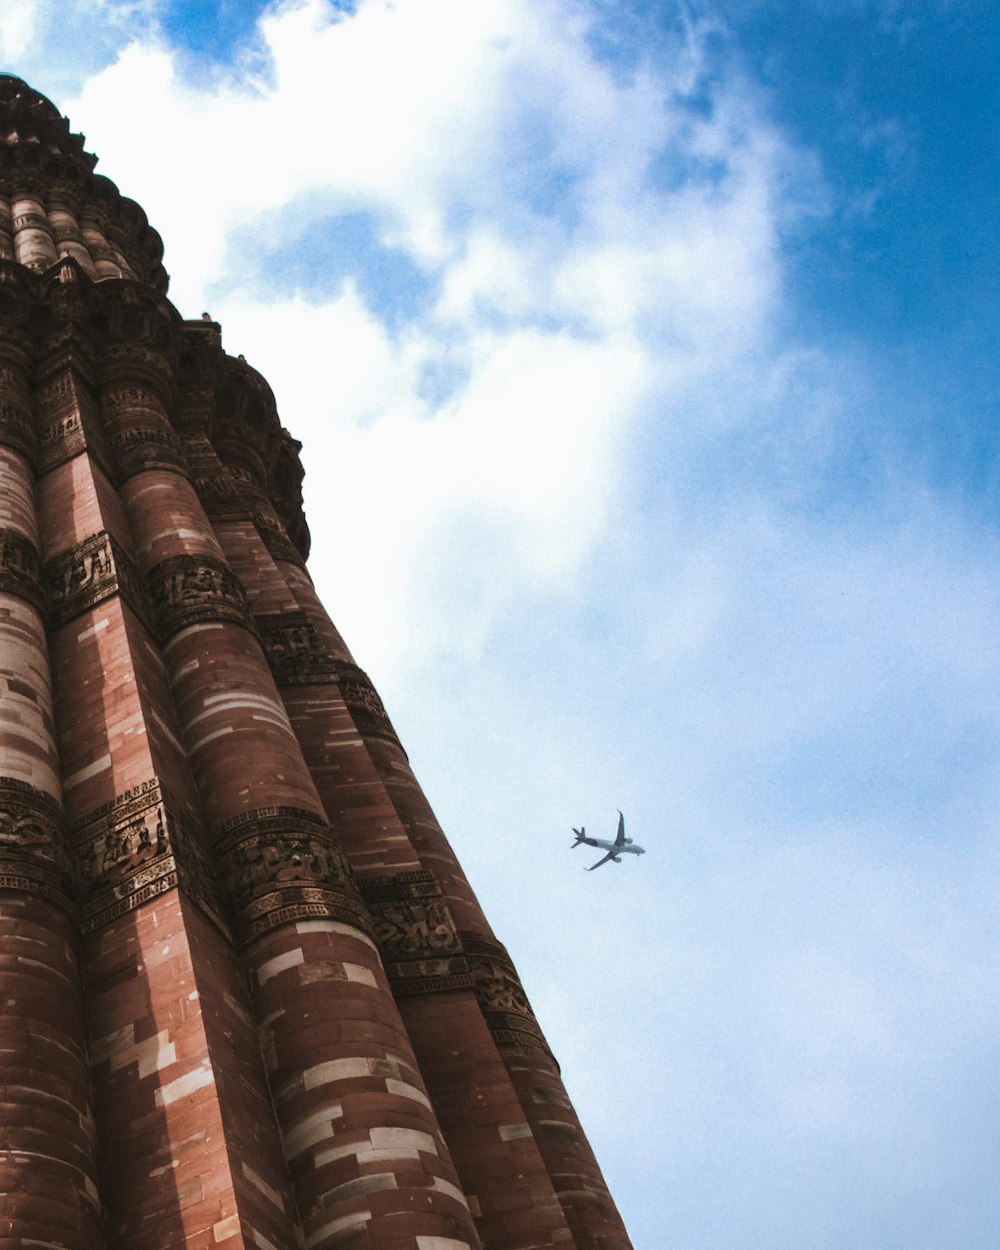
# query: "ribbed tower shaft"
250,998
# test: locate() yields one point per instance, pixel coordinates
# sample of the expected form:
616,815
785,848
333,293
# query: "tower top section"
28,117
52,204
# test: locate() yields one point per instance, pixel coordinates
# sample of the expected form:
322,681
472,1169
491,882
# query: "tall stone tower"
248,997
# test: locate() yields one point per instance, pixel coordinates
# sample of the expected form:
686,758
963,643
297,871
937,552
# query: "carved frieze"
186,590
59,440
87,574
20,572
293,650
275,538
33,856
133,849
282,864
16,428
223,495
66,416
420,946
501,995
363,702
144,445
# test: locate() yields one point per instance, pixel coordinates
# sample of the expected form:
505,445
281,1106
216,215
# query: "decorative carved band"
33,857
20,572
275,538
363,702
293,650
223,495
17,430
420,946
186,590
298,657
280,865
133,849
66,426
60,440
89,573
143,445
501,995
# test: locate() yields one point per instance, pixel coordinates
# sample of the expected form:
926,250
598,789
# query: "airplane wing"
620,838
610,855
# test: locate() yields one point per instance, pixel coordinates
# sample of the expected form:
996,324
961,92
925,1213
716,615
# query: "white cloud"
17,28
560,316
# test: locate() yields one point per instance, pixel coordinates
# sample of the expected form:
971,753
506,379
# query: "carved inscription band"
297,657
423,953
87,574
186,590
282,864
16,429
294,651
20,572
139,433
500,993
420,947
33,856
134,848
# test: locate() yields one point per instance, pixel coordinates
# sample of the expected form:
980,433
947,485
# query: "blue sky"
667,340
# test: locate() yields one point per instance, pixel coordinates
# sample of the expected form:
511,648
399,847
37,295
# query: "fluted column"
363,1147
172,1052
63,218
34,245
106,263
540,1120
47,1163
336,714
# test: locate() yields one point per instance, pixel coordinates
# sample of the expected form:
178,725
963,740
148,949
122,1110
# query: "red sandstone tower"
248,997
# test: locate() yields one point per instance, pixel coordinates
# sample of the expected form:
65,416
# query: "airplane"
615,850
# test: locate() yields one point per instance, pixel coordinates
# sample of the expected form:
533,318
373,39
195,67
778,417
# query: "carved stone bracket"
33,856
280,865
20,572
420,946
500,993
89,573
186,590
133,849
293,650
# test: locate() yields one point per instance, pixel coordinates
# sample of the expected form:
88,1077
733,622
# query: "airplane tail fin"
580,835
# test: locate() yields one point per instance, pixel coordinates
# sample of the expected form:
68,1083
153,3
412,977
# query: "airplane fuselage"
629,847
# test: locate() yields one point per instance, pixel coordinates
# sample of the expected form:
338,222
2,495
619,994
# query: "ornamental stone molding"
87,574
283,864
293,650
420,946
364,703
187,590
501,995
135,848
33,856
20,568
